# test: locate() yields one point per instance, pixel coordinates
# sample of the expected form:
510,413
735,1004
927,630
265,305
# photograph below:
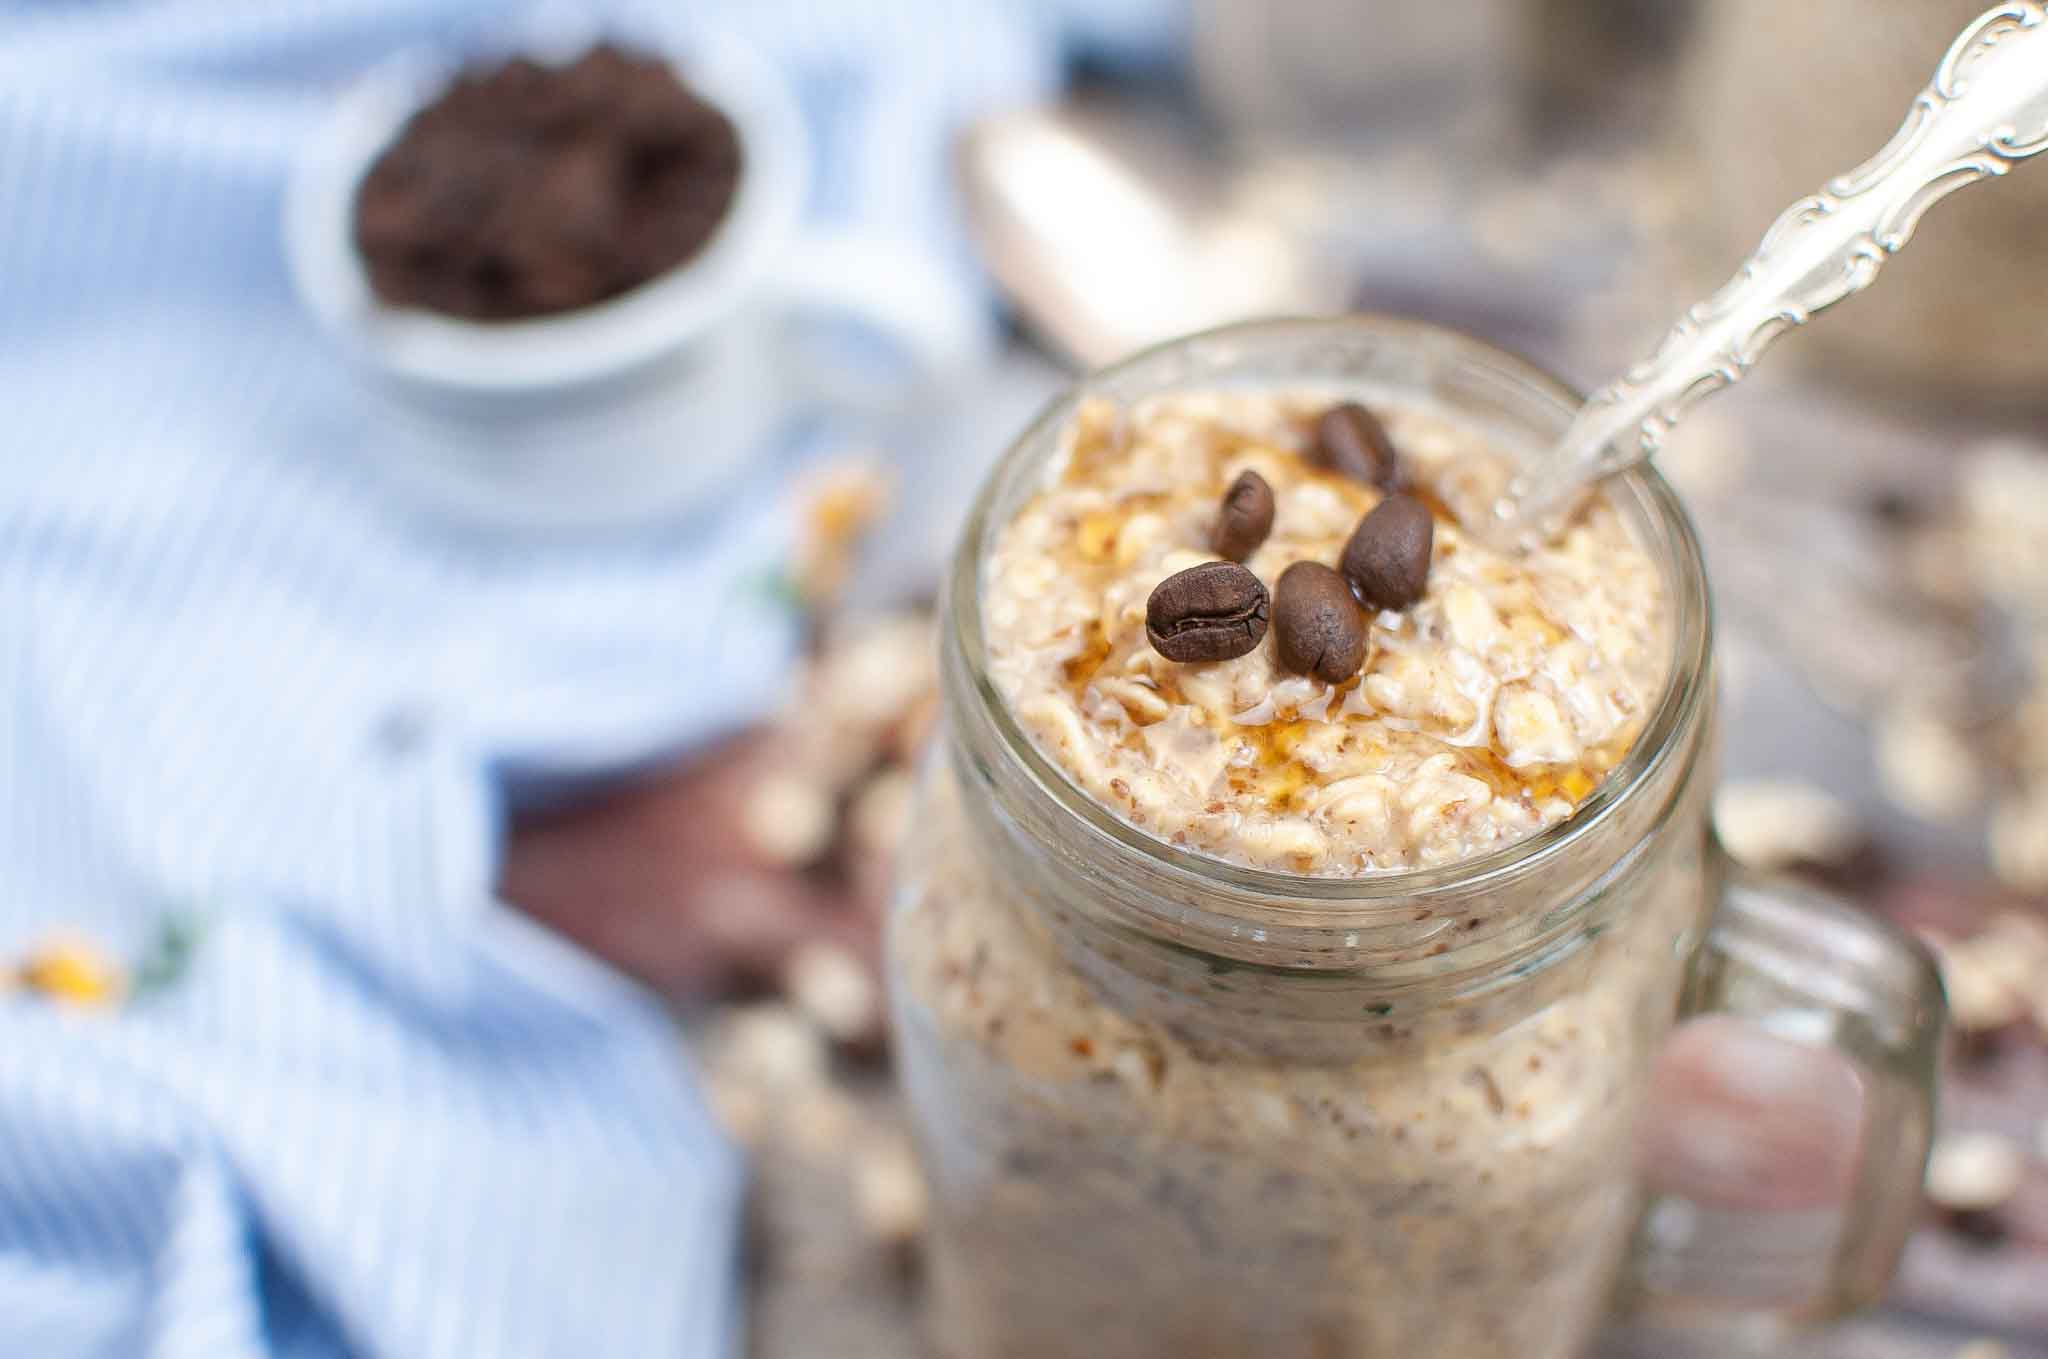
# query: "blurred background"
410,533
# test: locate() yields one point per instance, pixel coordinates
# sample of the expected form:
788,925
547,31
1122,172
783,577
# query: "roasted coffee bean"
1387,559
1318,628
1212,612
1245,519
1350,439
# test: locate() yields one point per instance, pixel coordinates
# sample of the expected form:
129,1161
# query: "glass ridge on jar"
1171,1105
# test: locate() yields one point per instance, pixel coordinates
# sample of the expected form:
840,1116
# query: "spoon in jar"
1985,111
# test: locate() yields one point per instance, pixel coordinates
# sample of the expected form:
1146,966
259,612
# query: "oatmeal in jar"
1484,712
1170,1110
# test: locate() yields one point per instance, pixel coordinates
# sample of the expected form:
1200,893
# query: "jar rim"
1362,898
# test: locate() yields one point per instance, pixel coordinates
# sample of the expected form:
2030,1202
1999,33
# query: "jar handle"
1790,1116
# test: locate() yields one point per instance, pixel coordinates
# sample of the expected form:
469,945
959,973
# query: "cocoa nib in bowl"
528,190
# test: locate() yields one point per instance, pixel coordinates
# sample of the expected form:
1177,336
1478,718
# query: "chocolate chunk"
1387,559
1212,612
1318,628
1246,517
1350,439
528,189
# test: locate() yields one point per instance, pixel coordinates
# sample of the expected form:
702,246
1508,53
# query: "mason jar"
1170,1105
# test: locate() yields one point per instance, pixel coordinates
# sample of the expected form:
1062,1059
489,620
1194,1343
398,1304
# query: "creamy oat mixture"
1107,1185
1126,1165
1485,712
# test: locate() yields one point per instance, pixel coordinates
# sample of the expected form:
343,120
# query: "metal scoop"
1985,111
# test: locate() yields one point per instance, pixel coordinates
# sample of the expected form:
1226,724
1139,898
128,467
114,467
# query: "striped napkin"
298,1084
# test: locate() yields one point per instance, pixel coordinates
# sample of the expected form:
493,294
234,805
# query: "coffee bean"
1350,439
1245,519
1212,612
1318,628
1387,559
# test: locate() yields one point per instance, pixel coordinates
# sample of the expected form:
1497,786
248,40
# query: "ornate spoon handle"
1985,111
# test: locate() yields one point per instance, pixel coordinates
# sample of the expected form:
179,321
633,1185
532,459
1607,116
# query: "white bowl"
598,342
627,410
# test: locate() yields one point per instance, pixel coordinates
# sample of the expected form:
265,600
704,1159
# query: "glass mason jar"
1174,1106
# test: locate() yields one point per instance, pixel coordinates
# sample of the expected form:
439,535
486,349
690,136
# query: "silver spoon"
1985,111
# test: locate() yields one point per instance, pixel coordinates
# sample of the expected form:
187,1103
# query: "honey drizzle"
1097,435
1080,668
1279,780
1272,773
1534,785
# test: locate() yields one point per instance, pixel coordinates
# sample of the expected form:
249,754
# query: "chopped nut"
874,672
2019,841
788,820
1925,765
1770,824
769,1045
1992,977
1979,1000
1974,1172
889,1193
832,988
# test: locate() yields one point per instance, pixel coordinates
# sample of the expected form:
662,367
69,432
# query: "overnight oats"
1304,885
1483,710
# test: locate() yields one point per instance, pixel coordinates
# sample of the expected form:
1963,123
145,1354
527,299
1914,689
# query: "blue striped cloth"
376,1113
